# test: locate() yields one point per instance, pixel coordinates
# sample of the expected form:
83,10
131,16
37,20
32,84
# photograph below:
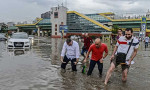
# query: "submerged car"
19,40
2,37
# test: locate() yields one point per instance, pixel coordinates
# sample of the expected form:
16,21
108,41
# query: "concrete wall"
60,20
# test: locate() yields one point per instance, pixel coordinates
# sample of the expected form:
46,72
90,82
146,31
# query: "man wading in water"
122,47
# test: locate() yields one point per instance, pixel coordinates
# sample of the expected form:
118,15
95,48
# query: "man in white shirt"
122,46
146,41
70,52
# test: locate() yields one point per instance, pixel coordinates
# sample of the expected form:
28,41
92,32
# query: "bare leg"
109,72
124,75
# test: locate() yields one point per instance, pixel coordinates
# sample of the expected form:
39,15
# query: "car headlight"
26,42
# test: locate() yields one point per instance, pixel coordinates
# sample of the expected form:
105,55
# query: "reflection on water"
17,52
39,69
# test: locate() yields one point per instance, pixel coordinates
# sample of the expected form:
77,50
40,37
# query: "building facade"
58,17
46,15
78,23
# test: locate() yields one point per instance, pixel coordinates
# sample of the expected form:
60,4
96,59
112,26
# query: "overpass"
41,25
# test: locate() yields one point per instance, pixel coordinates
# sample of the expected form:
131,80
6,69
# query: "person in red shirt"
87,42
97,56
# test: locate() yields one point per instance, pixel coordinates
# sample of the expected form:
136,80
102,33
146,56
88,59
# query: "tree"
115,29
4,27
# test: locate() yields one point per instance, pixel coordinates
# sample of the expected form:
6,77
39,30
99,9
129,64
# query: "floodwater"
39,69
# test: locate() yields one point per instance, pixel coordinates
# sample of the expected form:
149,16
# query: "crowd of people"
123,54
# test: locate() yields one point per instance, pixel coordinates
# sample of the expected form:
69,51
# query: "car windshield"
1,35
20,36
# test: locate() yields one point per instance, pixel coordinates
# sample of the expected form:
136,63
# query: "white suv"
19,40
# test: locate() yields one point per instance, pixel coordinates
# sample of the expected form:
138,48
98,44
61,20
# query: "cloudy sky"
28,10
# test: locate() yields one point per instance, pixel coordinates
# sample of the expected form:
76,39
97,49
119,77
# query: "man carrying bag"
124,52
121,57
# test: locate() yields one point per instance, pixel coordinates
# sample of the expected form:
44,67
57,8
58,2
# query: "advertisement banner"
143,27
144,20
63,28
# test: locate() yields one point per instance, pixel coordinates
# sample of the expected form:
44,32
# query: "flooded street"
39,69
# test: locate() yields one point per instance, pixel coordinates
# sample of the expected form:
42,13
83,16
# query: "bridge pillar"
42,33
18,29
38,32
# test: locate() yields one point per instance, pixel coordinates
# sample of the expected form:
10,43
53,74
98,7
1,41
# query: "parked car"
2,37
19,40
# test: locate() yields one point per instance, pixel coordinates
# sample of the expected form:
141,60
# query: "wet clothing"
123,45
71,51
123,66
97,53
92,65
63,65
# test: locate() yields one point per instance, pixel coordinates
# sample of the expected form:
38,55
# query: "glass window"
20,36
55,33
55,14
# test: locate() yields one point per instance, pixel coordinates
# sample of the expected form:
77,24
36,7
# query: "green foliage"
115,29
4,27
93,37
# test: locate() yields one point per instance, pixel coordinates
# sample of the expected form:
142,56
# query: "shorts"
123,66
83,50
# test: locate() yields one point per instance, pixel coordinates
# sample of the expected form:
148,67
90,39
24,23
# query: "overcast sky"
28,10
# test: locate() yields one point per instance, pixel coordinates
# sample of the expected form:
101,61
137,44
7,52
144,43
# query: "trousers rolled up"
66,60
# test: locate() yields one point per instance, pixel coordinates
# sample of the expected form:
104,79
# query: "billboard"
144,20
63,28
143,27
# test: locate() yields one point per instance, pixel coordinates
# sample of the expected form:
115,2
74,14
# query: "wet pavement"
39,69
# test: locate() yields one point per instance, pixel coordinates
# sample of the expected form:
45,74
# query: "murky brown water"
39,69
